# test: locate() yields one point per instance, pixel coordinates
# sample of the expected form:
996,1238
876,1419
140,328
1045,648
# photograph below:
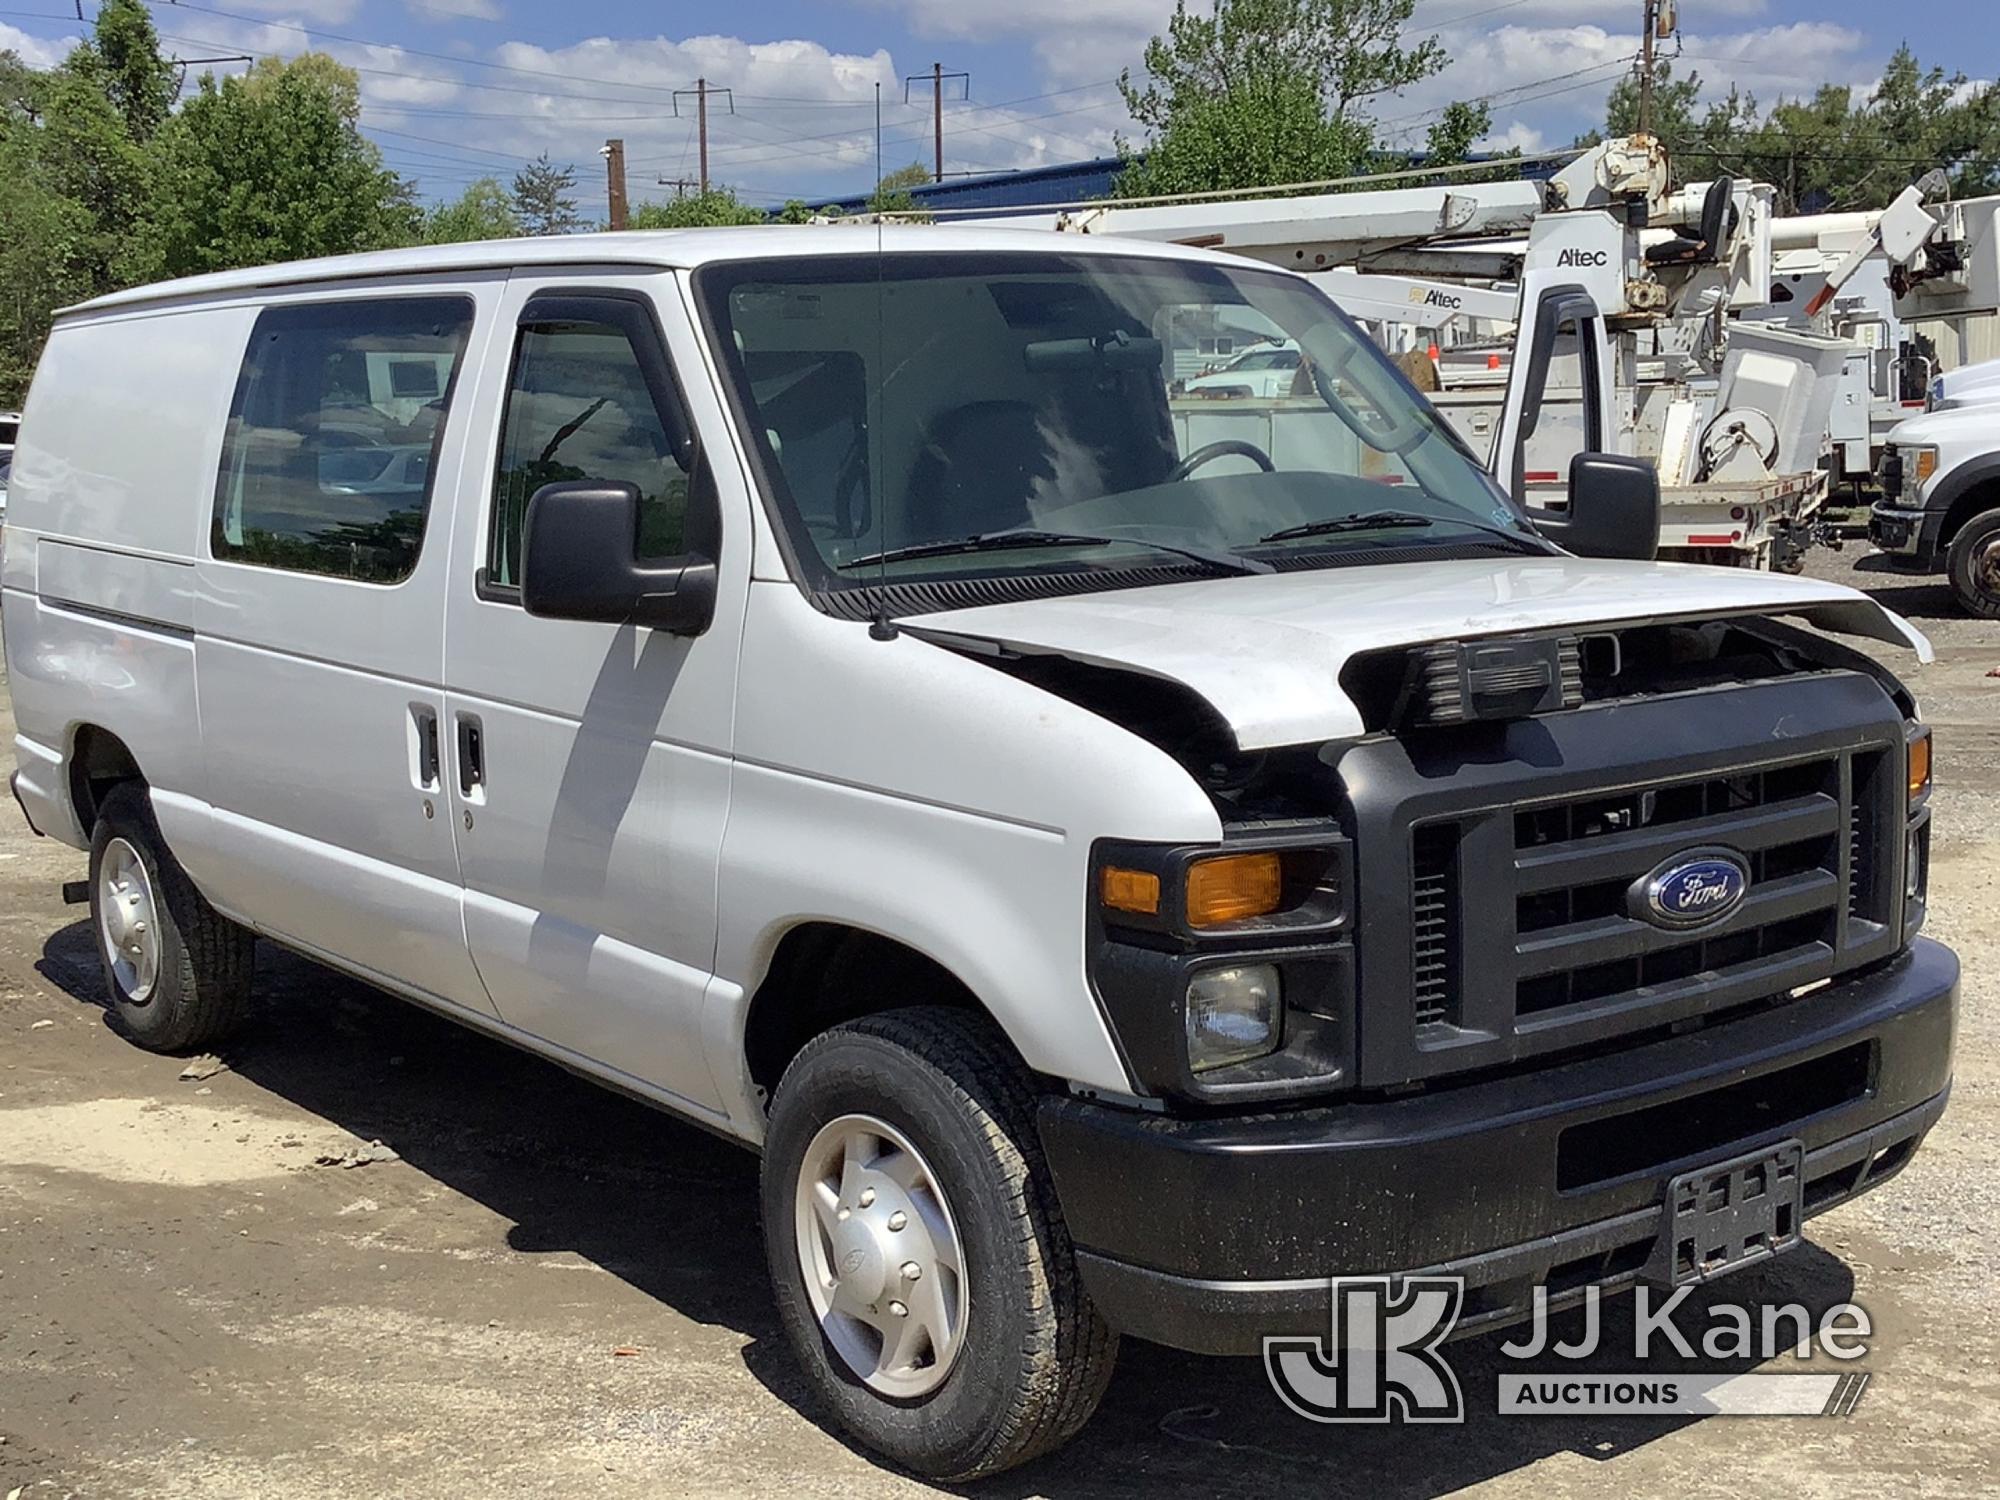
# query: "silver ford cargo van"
1121,864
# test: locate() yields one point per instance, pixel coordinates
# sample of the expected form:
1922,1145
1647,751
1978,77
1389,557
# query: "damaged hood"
1266,651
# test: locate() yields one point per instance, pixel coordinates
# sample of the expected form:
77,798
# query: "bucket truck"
1606,266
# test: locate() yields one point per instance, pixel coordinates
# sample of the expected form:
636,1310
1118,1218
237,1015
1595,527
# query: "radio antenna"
882,628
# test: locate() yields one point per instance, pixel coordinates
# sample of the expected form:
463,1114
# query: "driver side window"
578,408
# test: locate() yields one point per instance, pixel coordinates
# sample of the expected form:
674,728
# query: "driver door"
590,767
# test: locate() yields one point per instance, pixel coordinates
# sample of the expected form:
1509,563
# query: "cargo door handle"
471,755
424,748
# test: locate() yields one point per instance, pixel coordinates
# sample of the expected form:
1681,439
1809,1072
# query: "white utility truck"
1940,477
1119,873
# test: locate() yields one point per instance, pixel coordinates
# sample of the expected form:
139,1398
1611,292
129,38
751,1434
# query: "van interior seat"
984,462
976,470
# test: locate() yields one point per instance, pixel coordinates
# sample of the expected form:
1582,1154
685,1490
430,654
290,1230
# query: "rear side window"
333,437
579,407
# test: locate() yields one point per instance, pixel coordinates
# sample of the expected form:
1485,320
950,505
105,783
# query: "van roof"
677,248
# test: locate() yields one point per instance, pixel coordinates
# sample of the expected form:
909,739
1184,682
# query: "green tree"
272,166
544,198
484,211
892,192
23,91
1257,92
140,83
1454,132
1833,148
42,267
87,156
795,211
697,211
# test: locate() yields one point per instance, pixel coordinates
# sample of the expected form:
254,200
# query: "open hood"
1266,651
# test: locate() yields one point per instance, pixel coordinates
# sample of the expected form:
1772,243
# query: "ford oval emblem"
1692,889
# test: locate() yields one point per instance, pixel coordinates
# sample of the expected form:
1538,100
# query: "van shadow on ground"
673,1211
1915,596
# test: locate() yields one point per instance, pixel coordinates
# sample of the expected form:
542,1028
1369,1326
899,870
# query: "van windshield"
1029,416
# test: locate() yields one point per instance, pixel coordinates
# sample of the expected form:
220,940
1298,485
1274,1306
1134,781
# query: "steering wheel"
1227,448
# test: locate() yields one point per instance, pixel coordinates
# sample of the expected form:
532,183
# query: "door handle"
471,755
424,747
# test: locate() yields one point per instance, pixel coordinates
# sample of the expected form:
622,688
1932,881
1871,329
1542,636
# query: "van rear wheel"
177,971
922,1270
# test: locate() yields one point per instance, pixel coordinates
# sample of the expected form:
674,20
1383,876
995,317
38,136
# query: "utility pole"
701,91
1660,22
938,77
614,174
1646,67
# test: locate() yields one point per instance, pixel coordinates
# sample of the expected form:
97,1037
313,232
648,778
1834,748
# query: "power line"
773,150
1522,88
429,140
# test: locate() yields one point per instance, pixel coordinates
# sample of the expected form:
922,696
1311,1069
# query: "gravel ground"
542,1289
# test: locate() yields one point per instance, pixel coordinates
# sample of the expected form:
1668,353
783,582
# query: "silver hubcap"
881,1256
1986,565
126,921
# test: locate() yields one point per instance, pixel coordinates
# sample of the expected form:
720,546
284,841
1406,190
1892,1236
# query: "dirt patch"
170,1144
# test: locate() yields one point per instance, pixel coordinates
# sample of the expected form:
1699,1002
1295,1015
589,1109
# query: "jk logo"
1381,1363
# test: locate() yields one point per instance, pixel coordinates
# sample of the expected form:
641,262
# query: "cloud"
446,11
394,77
1516,137
1550,82
36,51
296,10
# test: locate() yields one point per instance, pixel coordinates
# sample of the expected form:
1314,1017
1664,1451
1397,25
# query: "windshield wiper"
1371,520
1029,536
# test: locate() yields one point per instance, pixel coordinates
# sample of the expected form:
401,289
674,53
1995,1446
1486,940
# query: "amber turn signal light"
1920,764
1233,887
1129,890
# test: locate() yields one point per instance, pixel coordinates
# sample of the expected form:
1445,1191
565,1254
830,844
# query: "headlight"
1233,1015
1919,763
1234,887
1918,466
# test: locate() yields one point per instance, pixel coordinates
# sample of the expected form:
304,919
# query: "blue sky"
454,89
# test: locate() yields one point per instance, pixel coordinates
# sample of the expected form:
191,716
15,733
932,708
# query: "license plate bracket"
1729,1215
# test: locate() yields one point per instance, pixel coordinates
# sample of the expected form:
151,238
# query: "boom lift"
1632,289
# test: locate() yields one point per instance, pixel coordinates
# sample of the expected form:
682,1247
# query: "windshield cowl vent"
1463,682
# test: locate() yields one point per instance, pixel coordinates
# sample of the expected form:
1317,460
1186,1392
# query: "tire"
1032,1356
1973,564
192,986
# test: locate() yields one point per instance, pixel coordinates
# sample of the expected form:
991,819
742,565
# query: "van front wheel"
177,971
921,1266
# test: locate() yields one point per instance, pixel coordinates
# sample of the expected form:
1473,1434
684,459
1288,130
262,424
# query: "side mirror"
579,561
1614,508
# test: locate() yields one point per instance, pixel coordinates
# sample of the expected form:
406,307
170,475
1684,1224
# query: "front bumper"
14,786
1908,536
1208,1234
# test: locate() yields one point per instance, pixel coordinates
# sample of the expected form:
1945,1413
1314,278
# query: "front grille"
1434,921
1576,861
1556,879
